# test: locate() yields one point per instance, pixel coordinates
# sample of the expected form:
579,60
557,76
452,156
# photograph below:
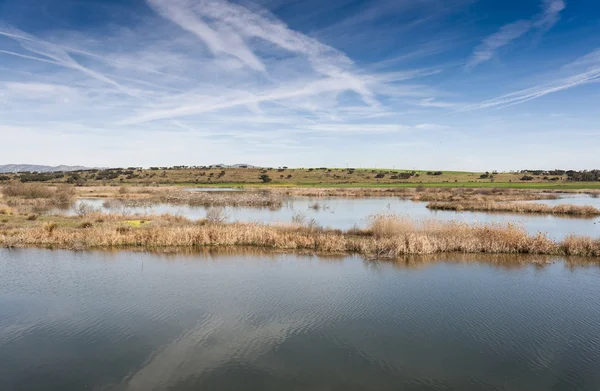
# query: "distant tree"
265,178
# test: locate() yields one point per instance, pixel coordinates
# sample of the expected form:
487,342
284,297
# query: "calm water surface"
345,213
135,321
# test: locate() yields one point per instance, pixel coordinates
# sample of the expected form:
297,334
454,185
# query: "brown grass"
492,206
28,191
387,236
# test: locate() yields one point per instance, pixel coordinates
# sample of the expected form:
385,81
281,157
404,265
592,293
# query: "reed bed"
387,236
480,195
213,199
425,193
512,207
26,198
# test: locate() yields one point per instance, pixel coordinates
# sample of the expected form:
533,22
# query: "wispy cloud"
432,102
211,68
583,71
488,47
58,54
550,14
512,31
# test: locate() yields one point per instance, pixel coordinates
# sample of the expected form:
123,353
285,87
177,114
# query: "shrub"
63,195
123,229
27,191
526,178
265,178
216,215
50,227
84,209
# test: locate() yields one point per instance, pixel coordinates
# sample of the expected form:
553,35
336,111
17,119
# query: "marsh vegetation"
517,207
385,235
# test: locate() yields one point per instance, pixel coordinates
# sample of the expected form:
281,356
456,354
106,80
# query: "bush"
50,227
526,178
84,209
27,191
63,195
265,178
216,215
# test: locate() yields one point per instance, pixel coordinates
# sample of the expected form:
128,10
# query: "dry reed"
386,237
424,193
491,206
27,197
214,199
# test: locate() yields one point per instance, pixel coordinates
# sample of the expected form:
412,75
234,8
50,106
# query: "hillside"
13,168
320,177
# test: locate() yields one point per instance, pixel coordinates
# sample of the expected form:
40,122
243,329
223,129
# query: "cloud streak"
585,70
59,55
512,31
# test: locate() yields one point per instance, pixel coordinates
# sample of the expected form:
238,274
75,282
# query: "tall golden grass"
387,236
512,207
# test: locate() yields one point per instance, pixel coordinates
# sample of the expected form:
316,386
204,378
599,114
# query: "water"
573,199
345,213
262,321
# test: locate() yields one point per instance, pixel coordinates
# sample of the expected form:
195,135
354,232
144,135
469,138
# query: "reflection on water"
344,213
266,321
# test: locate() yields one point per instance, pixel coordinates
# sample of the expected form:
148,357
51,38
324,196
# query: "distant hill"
12,168
241,165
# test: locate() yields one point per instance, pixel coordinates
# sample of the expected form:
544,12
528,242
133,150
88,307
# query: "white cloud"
432,102
431,127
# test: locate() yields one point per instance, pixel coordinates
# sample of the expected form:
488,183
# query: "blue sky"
429,84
